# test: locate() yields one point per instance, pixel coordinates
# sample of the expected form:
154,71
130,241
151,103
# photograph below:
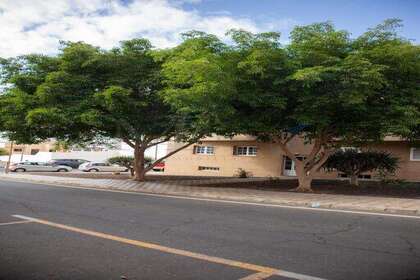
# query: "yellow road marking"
262,270
153,246
14,223
257,276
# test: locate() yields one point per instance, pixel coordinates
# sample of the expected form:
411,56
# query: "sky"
37,26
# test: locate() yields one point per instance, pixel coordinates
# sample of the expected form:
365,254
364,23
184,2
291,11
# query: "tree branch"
287,151
322,160
150,167
128,142
157,143
315,150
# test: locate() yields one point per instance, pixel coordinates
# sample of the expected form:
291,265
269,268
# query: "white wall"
101,156
159,150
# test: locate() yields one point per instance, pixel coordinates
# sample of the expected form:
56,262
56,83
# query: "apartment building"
220,156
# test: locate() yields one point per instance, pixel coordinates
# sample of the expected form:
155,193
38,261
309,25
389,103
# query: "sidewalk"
329,201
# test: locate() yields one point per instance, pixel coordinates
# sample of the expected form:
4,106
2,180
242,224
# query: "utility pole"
21,155
6,170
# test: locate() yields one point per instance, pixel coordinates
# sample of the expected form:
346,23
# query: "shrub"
242,173
128,161
3,152
353,163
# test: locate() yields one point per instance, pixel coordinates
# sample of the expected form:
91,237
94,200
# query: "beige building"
220,156
48,146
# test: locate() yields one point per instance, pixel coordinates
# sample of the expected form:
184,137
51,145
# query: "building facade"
219,156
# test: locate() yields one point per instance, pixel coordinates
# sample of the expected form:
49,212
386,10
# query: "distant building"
100,152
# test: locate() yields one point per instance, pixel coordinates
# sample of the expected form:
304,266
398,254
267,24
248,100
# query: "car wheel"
93,170
62,170
20,170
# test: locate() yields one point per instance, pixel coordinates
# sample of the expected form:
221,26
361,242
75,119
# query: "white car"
101,167
38,166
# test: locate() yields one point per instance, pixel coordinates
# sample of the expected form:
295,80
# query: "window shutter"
234,151
195,149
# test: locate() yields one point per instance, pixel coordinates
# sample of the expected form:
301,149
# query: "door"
289,167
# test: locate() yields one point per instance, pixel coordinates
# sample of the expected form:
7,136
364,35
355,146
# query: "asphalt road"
88,234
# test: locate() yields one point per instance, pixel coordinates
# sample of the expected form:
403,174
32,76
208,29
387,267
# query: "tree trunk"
304,179
304,184
6,170
354,180
311,163
139,170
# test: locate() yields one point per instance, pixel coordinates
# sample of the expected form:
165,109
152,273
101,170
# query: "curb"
268,202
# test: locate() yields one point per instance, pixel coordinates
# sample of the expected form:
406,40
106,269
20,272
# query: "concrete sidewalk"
329,201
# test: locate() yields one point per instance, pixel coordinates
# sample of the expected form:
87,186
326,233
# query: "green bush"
242,173
353,163
128,161
3,152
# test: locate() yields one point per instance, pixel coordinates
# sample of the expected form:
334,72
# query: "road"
69,233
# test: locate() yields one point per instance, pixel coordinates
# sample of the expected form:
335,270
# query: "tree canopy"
92,92
324,87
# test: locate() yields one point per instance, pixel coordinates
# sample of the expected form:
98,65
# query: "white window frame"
204,150
412,154
247,149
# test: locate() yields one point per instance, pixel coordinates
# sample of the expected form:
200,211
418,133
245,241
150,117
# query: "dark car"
73,163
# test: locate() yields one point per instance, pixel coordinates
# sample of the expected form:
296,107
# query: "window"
100,164
245,150
209,168
17,150
34,151
204,150
415,154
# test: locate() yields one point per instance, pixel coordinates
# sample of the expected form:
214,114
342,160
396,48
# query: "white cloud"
28,26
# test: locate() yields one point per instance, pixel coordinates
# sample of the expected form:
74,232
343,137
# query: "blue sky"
37,26
352,15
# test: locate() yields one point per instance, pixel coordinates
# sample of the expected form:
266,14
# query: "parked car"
38,166
159,167
73,163
101,167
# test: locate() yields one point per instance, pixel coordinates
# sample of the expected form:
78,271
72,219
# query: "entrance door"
288,167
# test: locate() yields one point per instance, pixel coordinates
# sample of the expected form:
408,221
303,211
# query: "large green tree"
19,80
94,92
324,87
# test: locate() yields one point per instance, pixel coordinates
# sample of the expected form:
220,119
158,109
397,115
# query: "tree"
325,88
96,93
353,163
20,78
